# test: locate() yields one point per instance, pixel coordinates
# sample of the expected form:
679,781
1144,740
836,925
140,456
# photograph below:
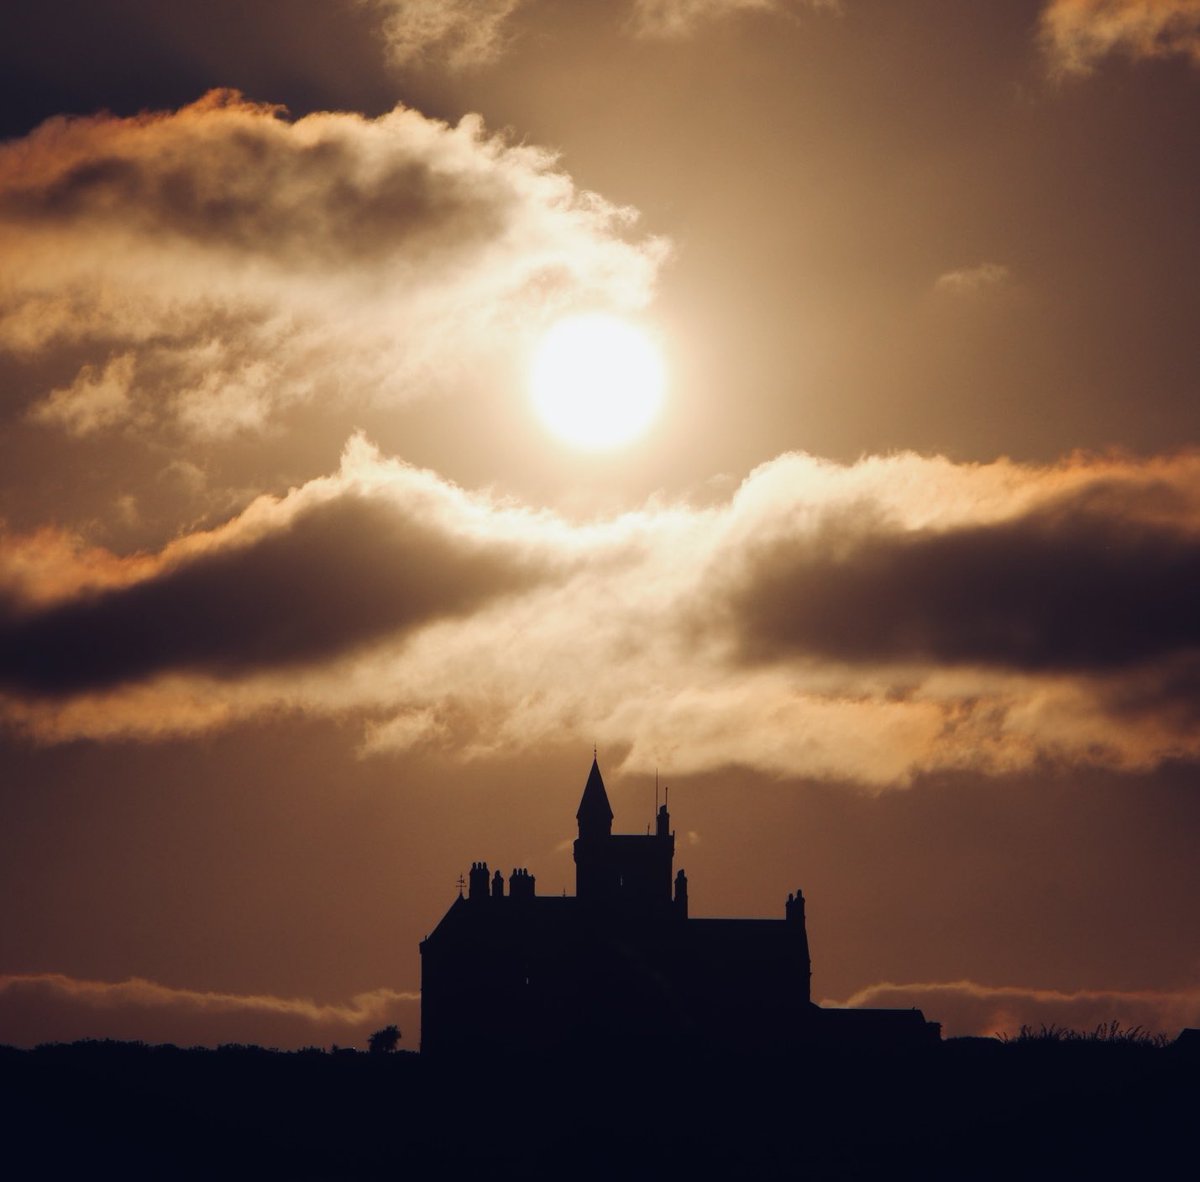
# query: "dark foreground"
961,1109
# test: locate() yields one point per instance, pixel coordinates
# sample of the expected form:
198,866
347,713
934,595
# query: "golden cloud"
218,264
1077,34
866,622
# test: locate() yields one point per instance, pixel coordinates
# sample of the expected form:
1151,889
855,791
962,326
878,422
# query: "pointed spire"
595,814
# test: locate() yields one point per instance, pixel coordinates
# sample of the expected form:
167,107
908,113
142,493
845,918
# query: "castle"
622,964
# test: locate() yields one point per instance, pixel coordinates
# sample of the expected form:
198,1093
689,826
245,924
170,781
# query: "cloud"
293,581
468,33
217,265
681,18
461,32
93,400
1084,582
968,281
866,622
1077,34
968,1008
41,1007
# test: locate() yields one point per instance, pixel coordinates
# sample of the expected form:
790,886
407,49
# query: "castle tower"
594,879
595,815
623,870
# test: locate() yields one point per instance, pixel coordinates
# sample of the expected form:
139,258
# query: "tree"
384,1041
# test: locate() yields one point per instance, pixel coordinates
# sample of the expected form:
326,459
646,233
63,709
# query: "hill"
966,1108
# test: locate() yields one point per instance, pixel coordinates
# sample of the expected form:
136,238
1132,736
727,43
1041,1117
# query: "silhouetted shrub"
384,1041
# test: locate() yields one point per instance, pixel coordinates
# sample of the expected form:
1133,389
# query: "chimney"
520,884
478,880
794,910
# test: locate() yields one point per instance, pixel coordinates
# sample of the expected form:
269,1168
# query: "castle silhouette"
621,964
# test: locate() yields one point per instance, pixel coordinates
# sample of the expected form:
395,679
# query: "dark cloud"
252,189
336,576
1068,587
126,55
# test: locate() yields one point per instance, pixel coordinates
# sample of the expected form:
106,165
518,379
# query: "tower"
620,870
593,873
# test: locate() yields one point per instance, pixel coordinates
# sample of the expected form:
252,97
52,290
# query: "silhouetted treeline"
966,1108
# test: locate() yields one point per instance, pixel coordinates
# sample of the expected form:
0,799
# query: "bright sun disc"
597,381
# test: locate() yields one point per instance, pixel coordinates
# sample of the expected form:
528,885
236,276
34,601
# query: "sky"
303,608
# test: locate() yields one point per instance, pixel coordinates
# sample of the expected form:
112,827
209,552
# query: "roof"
594,804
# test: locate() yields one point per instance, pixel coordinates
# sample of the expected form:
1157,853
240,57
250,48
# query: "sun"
596,381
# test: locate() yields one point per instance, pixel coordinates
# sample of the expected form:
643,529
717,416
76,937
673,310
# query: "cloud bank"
1078,34
217,265
44,1007
867,622
968,1008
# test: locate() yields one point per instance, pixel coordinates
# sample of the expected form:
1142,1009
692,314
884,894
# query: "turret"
794,916
681,894
497,885
663,822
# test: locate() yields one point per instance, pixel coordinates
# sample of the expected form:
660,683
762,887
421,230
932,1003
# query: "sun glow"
597,381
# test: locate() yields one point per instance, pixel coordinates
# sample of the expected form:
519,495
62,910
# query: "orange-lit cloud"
966,1007
216,265
38,1007
866,622
1078,34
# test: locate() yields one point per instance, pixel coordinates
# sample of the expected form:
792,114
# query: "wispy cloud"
462,33
966,1007
37,1007
967,281
681,18
472,33
217,265
1078,34
867,621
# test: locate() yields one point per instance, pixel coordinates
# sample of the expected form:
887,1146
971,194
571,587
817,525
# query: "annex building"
622,963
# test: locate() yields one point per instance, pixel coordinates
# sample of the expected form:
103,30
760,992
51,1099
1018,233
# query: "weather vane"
462,882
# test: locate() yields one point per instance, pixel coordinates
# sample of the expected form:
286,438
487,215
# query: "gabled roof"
594,805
